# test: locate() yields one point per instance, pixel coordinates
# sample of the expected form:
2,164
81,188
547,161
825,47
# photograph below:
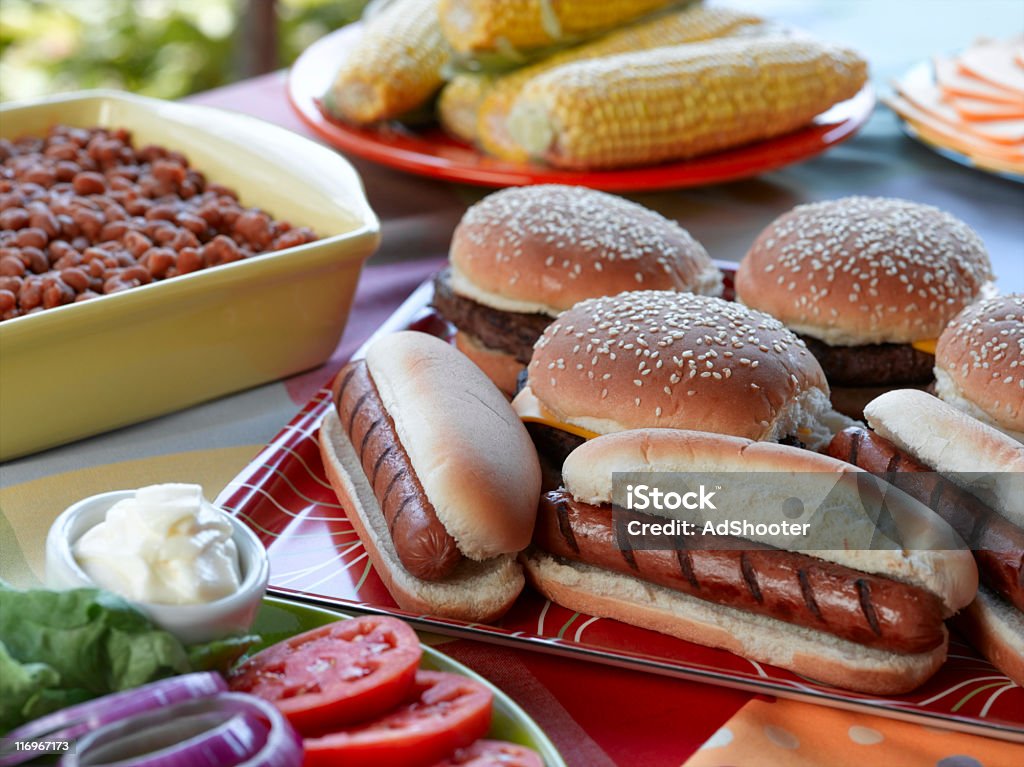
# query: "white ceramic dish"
190,623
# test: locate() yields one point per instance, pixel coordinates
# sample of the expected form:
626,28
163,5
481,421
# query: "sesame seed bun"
864,270
544,248
678,360
979,363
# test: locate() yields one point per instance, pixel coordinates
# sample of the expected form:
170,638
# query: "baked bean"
66,170
137,243
56,292
40,175
76,278
114,230
83,213
114,211
70,258
220,250
42,219
31,295
169,171
157,261
183,238
11,265
11,282
137,206
31,237
13,218
193,223
189,260
162,212
35,260
290,239
90,222
10,200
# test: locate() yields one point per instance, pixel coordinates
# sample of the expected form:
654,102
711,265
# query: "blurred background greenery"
162,48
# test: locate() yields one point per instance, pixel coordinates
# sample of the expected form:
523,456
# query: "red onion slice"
226,730
74,721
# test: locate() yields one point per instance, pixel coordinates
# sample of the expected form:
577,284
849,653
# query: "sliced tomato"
447,712
333,676
493,753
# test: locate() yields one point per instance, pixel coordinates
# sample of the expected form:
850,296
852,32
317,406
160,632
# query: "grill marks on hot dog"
998,544
422,543
867,609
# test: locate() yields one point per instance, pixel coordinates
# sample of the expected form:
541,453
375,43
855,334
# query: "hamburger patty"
872,364
514,333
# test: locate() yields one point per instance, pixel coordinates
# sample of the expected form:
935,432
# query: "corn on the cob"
508,26
685,26
394,67
459,102
681,101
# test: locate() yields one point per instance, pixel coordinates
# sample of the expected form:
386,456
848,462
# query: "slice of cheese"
531,410
926,96
953,82
928,346
980,110
941,133
993,62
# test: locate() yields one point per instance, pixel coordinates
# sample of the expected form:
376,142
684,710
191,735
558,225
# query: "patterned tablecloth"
597,715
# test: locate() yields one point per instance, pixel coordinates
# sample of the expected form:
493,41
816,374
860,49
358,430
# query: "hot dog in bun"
521,256
868,283
868,620
972,475
437,474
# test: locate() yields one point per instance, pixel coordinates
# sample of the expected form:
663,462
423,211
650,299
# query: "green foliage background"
161,48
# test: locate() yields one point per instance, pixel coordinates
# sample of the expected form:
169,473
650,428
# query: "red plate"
316,555
430,152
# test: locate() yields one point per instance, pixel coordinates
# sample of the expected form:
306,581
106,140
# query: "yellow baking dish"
85,368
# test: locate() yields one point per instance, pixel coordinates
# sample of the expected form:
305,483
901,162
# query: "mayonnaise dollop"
166,545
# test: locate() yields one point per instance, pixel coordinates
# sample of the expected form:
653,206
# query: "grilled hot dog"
998,545
425,548
867,609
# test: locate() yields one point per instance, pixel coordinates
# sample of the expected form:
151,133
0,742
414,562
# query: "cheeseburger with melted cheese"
655,358
868,283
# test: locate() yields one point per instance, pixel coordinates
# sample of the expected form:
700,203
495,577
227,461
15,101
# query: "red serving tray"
429,151
316,556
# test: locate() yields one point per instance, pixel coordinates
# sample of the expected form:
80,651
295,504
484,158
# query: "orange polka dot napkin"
785,733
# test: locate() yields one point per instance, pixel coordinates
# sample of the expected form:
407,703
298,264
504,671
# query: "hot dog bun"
475,463
978,363
929,555
996,629
810,653
968,452
954,444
